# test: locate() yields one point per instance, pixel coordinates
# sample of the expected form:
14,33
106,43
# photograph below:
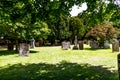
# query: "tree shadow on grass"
6,52
31,51
95,49
61,71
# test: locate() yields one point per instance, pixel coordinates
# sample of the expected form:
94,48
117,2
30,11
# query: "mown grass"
53,63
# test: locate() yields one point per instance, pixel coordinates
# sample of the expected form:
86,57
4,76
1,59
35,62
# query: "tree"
101,33
53,12
101,10
18,21
76,27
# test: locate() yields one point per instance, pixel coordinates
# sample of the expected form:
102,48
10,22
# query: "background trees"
76,27
19,23
102,33
22,20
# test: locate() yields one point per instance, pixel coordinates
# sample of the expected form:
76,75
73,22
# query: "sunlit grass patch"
53,63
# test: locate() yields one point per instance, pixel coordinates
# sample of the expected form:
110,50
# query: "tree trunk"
10,46
17,46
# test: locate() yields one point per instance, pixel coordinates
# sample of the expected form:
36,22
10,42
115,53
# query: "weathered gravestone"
65,45
94,44
24,49
75,47
118,57
106,45
81,45
32,43
37,44
115,46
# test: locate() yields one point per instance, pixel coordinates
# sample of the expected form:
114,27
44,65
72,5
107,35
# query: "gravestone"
106,45
32,43
81,45
65,45
115,46
118,58
37,44
94,44
88,42
24,49
75,47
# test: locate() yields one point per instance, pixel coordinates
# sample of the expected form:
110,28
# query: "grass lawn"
53,63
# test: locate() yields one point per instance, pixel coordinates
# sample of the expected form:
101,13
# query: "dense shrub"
101,33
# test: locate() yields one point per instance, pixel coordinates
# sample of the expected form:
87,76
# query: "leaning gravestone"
118,57
65,45
81,45
24,49
115,46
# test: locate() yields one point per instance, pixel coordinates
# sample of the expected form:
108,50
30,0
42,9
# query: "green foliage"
63,30
101,10
41,29
76,27
18,20
102,32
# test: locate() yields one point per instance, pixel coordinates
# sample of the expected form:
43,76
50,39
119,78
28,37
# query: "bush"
102,33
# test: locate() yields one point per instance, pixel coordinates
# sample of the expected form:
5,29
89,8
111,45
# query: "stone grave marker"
94,44
32,43
37,44
81,45
115,46
106,45
75,47
24,49
65,45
